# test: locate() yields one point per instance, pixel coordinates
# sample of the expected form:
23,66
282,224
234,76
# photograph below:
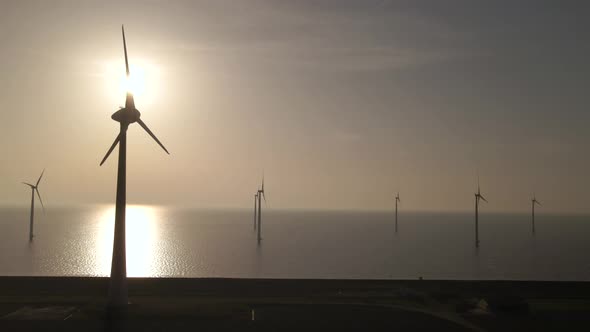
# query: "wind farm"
336,107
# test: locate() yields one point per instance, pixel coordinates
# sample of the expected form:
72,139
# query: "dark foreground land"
79,304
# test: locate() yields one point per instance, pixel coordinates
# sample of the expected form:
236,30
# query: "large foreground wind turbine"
533,202
260,195
34,188
397,200
125,116
478,196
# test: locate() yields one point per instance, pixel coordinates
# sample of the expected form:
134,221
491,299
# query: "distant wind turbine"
34,188
260,195
533,202
125,116
478,196
255,199
397,200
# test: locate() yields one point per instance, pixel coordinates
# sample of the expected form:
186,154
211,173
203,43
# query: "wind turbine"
397,200
255,199
478,196
125,116
533,202
34,188
260,195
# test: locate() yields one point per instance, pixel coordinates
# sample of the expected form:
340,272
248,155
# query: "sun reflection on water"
141,240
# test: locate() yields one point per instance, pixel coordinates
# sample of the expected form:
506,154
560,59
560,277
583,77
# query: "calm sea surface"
296,244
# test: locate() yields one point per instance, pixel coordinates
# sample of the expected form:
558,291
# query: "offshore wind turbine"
34,188
478,196
397,200
533,202
255,199
260,195
125,116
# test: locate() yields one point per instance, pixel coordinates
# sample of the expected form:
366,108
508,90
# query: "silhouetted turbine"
533,202
260,195
397,200
255,198
34,188
478,196
125,116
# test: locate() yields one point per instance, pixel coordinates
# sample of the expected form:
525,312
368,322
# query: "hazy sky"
342,103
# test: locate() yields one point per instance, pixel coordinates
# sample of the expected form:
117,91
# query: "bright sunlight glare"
134,83
142,81
141,235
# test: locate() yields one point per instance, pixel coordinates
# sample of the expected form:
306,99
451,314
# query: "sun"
143,81
135,83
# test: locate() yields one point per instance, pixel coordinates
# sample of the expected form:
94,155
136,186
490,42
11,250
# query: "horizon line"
326,209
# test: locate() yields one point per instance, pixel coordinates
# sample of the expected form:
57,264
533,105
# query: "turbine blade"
40,178
129,102
264,197
485,200
143,125
125,49
111,149
40,200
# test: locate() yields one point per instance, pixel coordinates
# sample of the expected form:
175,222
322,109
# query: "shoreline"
30,285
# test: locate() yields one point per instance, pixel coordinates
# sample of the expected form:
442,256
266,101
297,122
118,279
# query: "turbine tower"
478,196
260,195
533,202
397,200
125,116
34,188
255,199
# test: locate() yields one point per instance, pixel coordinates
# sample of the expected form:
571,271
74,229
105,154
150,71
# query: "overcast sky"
342,103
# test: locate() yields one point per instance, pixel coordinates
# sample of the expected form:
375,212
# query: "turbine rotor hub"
126,115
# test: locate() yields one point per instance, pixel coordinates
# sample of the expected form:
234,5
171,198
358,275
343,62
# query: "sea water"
173,242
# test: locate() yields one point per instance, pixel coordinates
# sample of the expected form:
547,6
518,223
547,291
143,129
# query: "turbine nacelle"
126,115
